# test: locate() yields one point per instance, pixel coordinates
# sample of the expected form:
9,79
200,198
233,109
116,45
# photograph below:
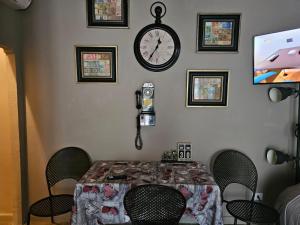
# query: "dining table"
98,195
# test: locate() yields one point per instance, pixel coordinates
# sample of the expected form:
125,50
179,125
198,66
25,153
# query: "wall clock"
157,46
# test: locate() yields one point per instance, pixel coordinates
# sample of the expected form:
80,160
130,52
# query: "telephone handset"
146,113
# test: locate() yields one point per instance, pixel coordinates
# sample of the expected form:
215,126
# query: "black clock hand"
158,43
153,52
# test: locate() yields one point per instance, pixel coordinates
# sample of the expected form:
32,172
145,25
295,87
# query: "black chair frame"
154,204
234,167
67,163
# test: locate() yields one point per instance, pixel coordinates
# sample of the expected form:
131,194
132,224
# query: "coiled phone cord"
138,138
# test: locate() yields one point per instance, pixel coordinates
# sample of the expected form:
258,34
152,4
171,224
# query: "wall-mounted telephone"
145,107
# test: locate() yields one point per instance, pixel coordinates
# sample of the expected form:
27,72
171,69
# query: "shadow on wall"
40,118
275,184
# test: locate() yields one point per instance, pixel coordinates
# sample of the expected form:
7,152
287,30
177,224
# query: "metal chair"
67,163
230,167
154,204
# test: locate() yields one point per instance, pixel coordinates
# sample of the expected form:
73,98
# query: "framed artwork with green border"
218,33
207,88
108,13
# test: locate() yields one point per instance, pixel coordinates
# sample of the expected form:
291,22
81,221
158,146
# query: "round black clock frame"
159,26
170,62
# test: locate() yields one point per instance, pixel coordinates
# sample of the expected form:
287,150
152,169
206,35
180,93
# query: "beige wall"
10,38
10,192
100,117
10,204
6,191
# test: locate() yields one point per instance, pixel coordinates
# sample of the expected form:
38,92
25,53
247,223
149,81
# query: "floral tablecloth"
100,201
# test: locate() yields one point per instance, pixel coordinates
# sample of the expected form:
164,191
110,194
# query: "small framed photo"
96,64
107,13
218,33
207,88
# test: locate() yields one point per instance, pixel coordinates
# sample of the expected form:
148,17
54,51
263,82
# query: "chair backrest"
69,162
232,166
154,204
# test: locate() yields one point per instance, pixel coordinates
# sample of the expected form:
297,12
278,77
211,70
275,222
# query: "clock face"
157,47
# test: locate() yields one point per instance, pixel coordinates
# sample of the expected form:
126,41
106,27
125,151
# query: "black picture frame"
98,18
96,64
207,88
218,33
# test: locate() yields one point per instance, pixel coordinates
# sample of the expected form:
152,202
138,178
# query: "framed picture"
218,33
96,64
107,13
207,88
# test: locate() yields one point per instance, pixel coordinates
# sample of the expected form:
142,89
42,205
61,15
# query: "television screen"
277,57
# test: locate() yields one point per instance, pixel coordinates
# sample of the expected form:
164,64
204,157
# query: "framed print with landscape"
207,88
107,13
218,33
96,64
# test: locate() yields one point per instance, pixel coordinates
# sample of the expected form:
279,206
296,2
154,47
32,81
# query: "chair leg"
235,221
52,219
28,218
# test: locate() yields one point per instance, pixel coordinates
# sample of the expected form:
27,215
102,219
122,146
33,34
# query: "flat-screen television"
277,57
